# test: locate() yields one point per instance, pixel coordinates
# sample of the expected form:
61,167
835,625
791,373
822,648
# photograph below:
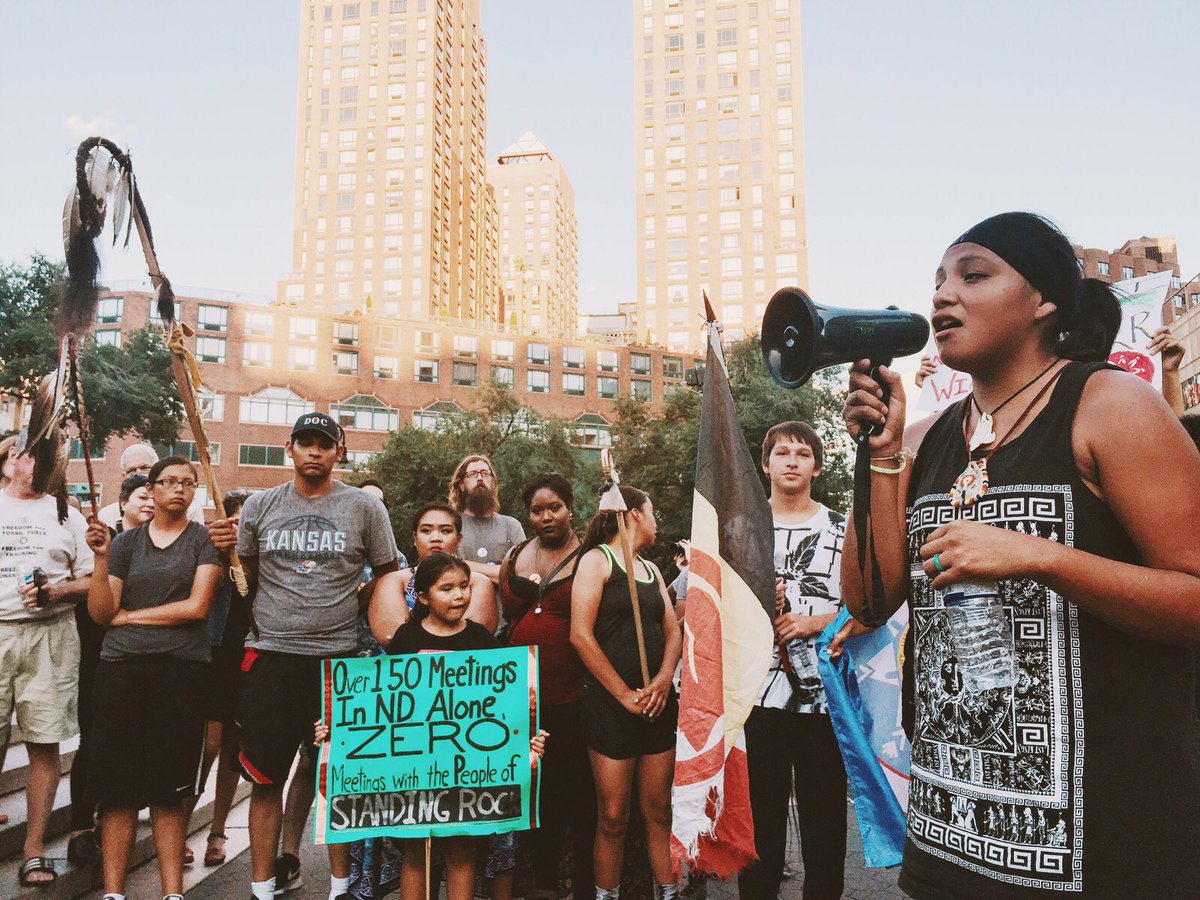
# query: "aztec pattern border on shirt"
997,776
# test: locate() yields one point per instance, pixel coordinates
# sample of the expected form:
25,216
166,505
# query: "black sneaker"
83,848
287,874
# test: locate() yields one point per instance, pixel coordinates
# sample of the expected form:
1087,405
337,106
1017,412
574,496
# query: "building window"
273,406
345,362
387,367
187,449
504,376
573,385
259,324
359,459
1102,268
538,355
425,371
262,455
212,406
212,318
426,341
75,451
672,367
157,319
256,354
108,338
109,310
539,382
81,493
639,363
434,414
608,361
466,345
302,359
345,333
642,390
1126,273
387,336
465,374
572,357
607,388
503,351
302,328
210,349
591,430
365,413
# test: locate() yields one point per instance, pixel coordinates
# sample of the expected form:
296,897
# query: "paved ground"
233,879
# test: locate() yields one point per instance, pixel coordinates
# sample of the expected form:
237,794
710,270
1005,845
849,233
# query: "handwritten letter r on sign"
428,745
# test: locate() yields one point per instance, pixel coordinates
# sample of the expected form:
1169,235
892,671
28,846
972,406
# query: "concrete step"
16,764
144,881
75,881
12,835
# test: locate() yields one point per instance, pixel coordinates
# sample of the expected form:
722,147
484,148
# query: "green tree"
659,455
416,464
28,348
128,390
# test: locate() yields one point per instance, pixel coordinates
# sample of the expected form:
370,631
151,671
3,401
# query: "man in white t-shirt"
140,458
45,569
790,744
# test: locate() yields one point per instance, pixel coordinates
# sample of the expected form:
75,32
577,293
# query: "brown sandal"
188,856
215,856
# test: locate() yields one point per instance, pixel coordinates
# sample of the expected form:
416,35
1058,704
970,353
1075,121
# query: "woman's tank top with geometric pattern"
1083,779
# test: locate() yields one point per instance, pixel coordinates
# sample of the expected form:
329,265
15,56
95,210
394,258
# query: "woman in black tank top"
629,725
1071,484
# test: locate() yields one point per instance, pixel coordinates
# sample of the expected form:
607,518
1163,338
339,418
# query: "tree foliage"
128,390
416,464
659,455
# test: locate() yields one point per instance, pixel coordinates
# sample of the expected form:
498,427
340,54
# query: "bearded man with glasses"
487,534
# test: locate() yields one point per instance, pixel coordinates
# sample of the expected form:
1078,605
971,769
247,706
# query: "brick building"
266,364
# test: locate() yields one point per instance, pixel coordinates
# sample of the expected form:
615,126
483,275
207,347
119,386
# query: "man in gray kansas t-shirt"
311,552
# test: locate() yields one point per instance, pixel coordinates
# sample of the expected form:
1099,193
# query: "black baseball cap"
319,422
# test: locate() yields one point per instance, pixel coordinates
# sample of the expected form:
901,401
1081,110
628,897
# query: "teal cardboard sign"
428,745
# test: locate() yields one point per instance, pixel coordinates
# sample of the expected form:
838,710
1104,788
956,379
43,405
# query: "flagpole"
627,553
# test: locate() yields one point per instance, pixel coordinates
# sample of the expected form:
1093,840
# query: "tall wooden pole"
627,553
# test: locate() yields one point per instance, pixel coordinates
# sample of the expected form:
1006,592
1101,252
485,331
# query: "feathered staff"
613,501
104,171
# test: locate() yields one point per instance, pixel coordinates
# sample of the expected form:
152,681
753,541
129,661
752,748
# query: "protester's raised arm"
887,529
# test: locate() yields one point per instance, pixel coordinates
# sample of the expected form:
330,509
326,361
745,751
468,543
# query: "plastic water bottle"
982,637
799,652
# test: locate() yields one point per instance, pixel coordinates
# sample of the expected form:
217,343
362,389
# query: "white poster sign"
1141,315
943,387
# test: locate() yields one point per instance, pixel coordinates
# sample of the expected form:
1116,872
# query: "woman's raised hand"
98,537
865,407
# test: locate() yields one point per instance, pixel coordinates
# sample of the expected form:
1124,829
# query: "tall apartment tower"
539,239
392,209
720,163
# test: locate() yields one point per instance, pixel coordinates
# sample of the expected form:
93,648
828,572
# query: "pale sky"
920,119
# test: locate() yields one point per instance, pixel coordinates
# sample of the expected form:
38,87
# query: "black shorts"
224,685
148,723
280,701
613,731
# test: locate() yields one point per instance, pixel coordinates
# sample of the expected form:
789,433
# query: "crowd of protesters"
128,631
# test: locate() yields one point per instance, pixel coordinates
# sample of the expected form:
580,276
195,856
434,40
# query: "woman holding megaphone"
1054,493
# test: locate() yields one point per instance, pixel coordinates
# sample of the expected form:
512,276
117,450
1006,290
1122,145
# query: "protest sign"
1142,300
943,387
428,745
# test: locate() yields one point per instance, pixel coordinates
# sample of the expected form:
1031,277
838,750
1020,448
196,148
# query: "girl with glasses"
152,589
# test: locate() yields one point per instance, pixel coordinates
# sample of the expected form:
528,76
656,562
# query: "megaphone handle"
873,373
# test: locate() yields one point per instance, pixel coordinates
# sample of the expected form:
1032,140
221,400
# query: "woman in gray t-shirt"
152,588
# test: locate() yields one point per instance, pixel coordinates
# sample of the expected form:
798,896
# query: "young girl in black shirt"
438,624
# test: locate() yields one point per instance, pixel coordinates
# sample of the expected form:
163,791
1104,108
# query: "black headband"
1038,251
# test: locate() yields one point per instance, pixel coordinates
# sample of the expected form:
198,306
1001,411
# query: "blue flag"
867,725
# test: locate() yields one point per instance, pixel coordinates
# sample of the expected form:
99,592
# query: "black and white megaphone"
799,336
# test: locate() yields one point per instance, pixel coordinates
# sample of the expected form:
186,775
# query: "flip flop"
33,866
215,855
189,857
